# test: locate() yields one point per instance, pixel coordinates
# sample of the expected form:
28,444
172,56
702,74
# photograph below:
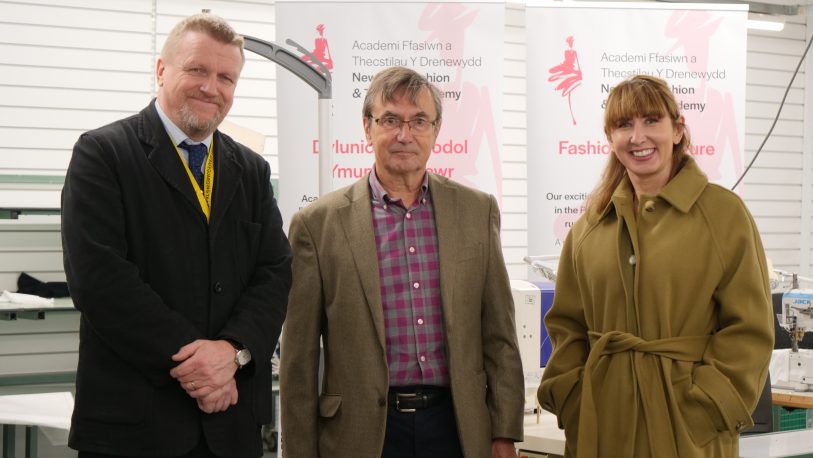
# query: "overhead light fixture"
753,6
761,15
765,22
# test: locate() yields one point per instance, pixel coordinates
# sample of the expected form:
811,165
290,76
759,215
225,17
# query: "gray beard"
194,127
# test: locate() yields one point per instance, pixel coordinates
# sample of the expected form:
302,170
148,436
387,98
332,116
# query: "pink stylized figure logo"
469,114
716,124
569,73
321,50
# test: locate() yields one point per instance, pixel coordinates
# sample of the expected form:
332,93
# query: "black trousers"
425,433
200,451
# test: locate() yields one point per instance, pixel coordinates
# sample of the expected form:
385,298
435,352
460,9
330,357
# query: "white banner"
578,51
458,46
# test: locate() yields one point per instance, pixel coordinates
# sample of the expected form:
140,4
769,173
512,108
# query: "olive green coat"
661,324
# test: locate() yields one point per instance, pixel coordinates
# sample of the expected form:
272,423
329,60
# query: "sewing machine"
531,301
797,319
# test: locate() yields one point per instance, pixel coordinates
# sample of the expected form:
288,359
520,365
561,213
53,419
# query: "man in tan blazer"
401,278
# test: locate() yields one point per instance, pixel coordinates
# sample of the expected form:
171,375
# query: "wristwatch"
242,356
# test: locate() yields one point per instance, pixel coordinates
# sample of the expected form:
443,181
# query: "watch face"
243,357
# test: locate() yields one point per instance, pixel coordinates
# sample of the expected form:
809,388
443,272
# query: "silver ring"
191,386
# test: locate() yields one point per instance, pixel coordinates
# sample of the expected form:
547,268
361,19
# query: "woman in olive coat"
661,322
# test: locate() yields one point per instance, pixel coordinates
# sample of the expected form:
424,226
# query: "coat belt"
653,395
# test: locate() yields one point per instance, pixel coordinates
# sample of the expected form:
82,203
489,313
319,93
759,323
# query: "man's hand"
220,399
503,448
206,365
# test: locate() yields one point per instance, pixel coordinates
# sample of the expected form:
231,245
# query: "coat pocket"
113,394
695,416
561,396
329,405
721,400
694,405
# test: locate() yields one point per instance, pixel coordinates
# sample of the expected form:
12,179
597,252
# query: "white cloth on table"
24,299
49,411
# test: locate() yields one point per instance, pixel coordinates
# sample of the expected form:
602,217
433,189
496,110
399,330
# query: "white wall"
71,65
773,188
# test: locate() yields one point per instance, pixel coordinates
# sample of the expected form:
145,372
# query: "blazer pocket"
329,404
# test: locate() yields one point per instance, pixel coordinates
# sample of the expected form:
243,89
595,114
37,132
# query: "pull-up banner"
457,45
577,52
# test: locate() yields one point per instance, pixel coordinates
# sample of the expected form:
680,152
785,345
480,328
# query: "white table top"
544,436
781,444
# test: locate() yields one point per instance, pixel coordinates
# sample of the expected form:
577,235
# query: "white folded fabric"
25,299
40,409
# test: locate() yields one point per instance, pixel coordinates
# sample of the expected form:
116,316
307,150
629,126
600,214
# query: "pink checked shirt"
408,265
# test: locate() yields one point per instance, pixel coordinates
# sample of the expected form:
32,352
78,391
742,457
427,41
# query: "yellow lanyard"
204,196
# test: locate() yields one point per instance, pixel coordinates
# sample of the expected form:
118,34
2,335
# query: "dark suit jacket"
150,275
336,300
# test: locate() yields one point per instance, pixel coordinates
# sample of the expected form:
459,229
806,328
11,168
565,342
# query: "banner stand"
320,80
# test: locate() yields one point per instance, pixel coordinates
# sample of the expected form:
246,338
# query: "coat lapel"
227,179
444,202
357,223
162,155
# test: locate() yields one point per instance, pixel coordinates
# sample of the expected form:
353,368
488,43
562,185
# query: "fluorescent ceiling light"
773,24
755,7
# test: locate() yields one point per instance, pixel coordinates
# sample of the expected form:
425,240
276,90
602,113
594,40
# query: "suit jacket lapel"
163,157
357,223
444,202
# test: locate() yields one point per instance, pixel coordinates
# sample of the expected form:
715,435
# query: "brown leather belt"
409,399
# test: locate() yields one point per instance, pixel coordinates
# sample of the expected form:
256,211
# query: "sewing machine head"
545,266
797,314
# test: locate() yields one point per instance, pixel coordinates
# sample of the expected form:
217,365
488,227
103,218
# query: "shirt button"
423,201
416,285
409,216
385,206
633,260
412,249
420,320
649,206
423,358
218,288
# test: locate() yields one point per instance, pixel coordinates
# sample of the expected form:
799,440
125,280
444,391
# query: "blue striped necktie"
197,154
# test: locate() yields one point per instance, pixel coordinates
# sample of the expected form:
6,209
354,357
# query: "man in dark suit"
175,255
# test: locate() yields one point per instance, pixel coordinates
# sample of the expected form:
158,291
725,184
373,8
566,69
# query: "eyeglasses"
417,125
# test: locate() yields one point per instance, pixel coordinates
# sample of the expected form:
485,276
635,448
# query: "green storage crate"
787,420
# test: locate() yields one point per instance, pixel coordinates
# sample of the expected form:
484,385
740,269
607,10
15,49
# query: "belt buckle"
398,397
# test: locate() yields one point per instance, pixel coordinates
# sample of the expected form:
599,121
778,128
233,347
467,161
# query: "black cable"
781,104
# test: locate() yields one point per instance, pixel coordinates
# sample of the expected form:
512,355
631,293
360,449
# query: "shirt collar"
175,133
380,194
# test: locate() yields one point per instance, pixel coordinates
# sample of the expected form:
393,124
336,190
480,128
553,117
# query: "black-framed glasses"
394,123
